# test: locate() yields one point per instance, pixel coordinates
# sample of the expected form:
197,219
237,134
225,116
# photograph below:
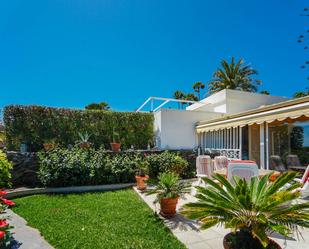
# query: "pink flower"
2,234
2,192
8,202
3,223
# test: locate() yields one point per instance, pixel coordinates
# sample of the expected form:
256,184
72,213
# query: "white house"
237,124
175,129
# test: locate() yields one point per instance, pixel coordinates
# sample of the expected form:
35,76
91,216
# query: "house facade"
239,125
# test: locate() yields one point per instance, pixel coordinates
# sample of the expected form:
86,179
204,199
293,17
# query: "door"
254,143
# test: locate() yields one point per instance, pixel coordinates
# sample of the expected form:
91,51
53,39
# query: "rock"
25,168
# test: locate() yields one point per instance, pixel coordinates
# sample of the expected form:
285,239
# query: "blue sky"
70,53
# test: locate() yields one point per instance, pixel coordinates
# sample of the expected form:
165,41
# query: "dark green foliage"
76,166
97,106
166,162
5,167
36,124
110,220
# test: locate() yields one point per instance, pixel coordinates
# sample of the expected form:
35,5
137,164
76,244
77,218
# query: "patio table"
262,172
298,168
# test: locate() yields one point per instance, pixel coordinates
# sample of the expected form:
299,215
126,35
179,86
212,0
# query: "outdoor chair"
292,160
242,169
203,167
275,163
220,162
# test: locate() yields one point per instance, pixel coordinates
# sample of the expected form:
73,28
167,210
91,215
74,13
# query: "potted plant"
141,175
49,144
116,141
251,209
84,140
168,190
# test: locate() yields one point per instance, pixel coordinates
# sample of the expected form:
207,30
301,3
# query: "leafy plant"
143,167
5,234
250,209
116,136
5,167
84,137
166,162
169,186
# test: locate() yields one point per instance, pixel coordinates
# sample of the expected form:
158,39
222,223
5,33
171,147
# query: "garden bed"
116,219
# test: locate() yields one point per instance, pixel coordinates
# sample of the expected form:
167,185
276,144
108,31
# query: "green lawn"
96,220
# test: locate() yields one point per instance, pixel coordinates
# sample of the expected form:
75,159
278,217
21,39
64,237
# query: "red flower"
3,223
8,202
2,192
2,234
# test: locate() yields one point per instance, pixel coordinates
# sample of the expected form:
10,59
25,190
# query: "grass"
96,220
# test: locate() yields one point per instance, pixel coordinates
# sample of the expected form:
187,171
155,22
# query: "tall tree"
264,92
192,97
301,93
197,88
234,75
98,106
178,95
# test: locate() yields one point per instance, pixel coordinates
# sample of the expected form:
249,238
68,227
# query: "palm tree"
192,97
301,94
233,75
197,88
264,92
178,95
250,209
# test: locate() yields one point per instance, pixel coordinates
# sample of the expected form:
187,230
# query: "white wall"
233,101
175,129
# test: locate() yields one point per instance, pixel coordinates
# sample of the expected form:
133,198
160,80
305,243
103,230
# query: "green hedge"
36,124
76,167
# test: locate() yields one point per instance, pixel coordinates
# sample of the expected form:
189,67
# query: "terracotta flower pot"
168,207
226,244
48,146
115,147
141,182
85,145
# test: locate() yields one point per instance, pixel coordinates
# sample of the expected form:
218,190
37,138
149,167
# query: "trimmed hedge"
76,166
36,124
5,167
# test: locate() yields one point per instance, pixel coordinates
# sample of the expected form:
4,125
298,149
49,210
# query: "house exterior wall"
175,129
234,101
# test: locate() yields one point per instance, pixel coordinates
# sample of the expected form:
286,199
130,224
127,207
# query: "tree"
98,106
197,88
178,95
301,94
264,92
233,75
191,97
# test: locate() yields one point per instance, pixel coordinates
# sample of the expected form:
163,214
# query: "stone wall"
25,168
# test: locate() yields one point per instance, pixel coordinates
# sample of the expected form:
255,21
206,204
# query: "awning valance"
283,115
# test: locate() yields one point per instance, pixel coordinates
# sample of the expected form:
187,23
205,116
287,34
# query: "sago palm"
234,75
253,208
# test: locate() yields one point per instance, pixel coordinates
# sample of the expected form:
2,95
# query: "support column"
267,145
240,143
262,146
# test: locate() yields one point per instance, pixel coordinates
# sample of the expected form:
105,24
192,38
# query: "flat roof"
257,110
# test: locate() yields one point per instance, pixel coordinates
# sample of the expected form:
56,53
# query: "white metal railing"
229,153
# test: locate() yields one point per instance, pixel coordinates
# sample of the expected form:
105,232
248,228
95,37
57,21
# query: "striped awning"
285,114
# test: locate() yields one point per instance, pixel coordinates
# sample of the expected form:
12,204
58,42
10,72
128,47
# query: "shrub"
5,174
63,167
76,166
166,162
36,124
